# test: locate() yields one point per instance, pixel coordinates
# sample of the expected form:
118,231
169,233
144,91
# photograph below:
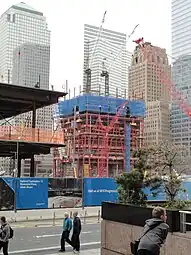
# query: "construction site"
100,134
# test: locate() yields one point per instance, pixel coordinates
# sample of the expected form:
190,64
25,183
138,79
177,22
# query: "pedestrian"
76,233
67,226
4,235
154,233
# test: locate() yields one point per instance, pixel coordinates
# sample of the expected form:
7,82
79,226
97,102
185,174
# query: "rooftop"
16,99
25,7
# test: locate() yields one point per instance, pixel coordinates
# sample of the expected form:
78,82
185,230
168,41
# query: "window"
8,17
13,18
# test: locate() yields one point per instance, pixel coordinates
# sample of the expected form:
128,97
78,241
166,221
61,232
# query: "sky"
66,19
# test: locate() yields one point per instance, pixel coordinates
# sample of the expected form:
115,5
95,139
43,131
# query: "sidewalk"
85,252
50,214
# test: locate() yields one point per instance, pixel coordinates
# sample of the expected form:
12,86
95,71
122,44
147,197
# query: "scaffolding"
96,139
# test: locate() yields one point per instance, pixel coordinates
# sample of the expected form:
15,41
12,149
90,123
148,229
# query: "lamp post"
17,172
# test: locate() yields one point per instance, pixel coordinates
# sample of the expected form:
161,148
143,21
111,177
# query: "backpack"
11,233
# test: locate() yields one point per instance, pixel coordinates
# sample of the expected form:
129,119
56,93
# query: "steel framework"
100,144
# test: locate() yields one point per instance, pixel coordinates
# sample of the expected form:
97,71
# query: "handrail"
183,222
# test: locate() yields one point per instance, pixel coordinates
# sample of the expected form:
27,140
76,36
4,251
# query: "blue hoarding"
97,190
32,193
40,193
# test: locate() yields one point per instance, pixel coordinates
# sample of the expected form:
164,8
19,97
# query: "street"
46,240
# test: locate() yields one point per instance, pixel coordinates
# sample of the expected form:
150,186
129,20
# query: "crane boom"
98,37
176,95
88,70
120,50
105,149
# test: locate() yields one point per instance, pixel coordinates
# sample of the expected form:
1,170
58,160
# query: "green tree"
171,162
130,185
158,167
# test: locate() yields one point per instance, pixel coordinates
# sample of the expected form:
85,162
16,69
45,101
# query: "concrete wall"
116,238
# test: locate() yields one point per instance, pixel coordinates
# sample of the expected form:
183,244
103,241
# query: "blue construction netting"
127,146
100,104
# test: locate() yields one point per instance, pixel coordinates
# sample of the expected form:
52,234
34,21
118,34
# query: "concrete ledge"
116,238
49,214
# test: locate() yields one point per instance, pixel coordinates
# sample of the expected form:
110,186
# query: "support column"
32,165
19,167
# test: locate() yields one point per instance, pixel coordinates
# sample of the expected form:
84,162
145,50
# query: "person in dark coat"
151,242
76,232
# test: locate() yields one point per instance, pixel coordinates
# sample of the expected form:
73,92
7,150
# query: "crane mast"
88,71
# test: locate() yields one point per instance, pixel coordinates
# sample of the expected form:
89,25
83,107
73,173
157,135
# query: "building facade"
106,52
31,64
180,122
181,49
144,82
25,60
181,27
157,123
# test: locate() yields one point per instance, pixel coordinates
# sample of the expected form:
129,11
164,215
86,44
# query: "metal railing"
183,221
28,134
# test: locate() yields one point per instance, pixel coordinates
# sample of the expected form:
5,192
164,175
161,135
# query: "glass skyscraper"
181,69
18,25
25,60
106,53
181,27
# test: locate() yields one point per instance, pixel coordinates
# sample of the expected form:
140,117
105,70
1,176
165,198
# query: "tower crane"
88,71
105,72
176,95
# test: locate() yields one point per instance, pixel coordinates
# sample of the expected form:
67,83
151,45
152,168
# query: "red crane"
105,149
176,95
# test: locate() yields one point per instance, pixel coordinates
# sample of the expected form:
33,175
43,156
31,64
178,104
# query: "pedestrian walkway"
84,252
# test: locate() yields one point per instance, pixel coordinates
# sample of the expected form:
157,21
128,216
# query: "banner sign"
32,193
43,193
97,190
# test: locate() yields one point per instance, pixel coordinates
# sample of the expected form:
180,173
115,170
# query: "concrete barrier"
49,214
116,238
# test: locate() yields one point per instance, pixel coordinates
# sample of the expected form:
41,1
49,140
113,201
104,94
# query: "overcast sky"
66,19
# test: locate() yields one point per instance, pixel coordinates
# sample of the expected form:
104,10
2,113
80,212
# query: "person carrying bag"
154,234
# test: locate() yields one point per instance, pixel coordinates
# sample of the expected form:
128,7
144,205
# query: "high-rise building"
106,52
181,52
25,60
181,27
31,64
145,83
20,24
180,122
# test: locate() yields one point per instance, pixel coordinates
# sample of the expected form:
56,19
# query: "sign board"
97,190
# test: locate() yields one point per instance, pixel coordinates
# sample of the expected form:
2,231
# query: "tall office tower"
31,67
181,27
145,83
106,52
180,122
20,24
25,40
181,52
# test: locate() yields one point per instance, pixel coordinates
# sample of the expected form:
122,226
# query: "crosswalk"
86,252
45,225
49,249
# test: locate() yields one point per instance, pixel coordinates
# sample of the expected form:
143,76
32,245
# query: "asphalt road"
46,240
